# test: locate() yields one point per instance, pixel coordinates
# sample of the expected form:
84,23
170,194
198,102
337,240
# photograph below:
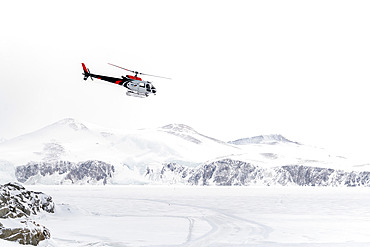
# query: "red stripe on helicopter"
134,77
117,82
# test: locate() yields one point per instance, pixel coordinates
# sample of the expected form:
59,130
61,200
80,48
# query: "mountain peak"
183,131
263,139
179,128
72,123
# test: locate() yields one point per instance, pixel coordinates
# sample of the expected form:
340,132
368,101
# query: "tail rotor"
86,72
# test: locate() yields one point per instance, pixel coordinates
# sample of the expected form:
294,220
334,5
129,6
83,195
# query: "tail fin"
86,73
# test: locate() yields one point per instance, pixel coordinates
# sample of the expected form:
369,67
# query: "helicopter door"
148,87
141,88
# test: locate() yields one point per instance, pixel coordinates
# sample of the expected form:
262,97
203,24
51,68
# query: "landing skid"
131,93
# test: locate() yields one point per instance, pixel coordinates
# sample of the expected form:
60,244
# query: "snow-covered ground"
120,216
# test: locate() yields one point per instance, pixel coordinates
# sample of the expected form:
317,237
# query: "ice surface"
207,216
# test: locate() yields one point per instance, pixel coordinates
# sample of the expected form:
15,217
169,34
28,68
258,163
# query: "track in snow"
120,216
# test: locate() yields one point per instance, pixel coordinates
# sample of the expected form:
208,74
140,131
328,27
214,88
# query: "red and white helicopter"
134,84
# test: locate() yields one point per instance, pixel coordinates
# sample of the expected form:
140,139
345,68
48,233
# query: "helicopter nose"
154,91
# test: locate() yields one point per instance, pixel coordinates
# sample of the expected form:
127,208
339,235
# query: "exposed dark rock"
16,201
29,232
18,204
91,171
233,172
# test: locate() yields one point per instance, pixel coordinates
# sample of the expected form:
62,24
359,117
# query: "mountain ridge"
73,140
266,139
71,151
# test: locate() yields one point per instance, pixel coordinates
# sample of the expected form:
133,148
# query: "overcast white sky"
239,68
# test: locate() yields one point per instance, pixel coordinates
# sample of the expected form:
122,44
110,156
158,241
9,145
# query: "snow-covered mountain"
276,150
74,141
70,151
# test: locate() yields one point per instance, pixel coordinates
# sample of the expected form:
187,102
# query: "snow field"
207,216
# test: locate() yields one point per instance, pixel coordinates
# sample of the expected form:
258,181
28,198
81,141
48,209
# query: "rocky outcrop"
225,172
229,172
27,232
16,206
91,171
16,201
316,176
65,172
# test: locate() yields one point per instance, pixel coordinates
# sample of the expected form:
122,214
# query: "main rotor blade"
135,72
156,76
122,68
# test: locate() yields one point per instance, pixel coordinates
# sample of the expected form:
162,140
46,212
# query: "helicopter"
134,84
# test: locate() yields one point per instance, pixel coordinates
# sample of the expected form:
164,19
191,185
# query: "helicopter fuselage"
139,87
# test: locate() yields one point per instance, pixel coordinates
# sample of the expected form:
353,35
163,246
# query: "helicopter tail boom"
119,81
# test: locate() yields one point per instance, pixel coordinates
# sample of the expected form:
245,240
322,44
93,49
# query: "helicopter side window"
141,84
